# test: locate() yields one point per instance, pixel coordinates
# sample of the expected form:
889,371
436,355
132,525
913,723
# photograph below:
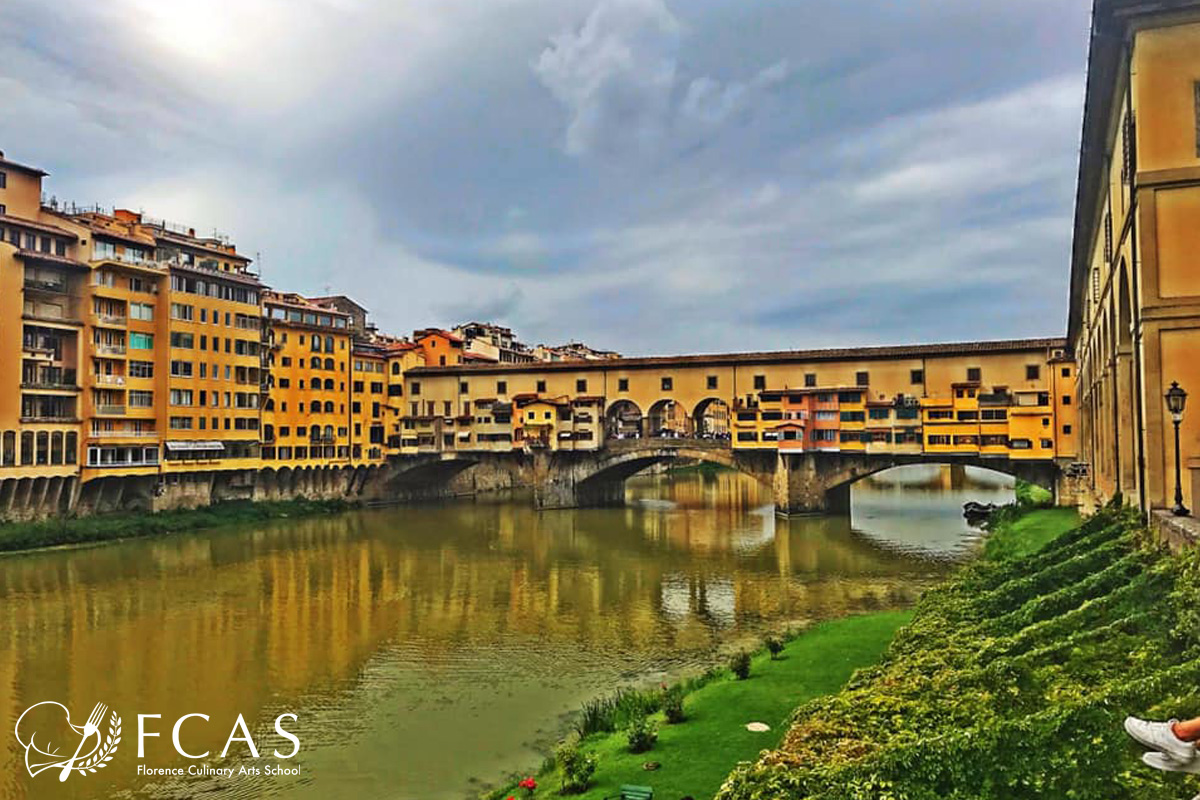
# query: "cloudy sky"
649,176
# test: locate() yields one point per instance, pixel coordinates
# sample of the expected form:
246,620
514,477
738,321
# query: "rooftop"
1040,346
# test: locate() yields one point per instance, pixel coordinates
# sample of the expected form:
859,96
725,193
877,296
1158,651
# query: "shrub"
672,705
642,734
609,713
774,646
740,665
575,767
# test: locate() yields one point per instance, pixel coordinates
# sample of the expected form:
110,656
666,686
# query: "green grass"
1028,533
16,536
697,755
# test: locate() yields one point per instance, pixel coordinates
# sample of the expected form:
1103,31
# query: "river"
426,650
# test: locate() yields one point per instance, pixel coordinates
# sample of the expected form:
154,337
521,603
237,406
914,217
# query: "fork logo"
52,742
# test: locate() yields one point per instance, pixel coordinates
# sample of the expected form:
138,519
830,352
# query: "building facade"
1134,324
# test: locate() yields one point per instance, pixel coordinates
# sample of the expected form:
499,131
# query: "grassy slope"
1011,681
697,754
1029,533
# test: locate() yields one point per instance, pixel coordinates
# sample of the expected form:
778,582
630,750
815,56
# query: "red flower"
528,783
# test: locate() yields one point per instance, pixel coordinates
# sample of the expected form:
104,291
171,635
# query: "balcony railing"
109,380
143,463
123,434
57,287
110,349
110,319
110,410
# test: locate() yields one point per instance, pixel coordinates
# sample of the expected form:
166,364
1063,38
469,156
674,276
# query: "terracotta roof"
915,351
34,255
4,162
39,226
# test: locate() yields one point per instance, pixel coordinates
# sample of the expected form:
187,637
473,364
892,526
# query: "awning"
183,447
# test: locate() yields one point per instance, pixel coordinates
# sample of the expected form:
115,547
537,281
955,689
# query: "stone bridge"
808,482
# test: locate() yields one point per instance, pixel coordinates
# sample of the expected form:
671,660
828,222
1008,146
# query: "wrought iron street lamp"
1176,399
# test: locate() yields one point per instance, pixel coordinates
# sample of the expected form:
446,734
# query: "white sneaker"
1168,764
1159,736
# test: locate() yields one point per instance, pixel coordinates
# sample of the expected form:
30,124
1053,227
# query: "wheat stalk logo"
46,756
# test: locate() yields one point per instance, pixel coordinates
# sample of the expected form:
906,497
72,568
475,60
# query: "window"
1198,118
185,341
1032,372
622,384
181,397
667,384
142,311
581,385
862,378
415,389
1066,430
139,399
501,387
712,382
180,423
1047,444
974,374
181,369
1066,372
810,379
541,386
3,180
760,382
182,311
916,376
141,341
141,369
1066,399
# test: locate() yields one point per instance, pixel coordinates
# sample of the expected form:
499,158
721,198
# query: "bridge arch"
710,418
623,420
666,417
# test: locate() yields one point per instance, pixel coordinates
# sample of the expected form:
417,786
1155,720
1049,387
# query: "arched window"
268,433
328,406
43,447
270,406
26,447
329,384
395,367
329,432
329,364
10,448
56,447
328,344
72,446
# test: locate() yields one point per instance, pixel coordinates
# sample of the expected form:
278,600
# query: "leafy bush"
774,646
575,767
642,734
740,665
672,705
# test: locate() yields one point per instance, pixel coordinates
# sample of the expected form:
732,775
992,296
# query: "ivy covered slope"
1011,682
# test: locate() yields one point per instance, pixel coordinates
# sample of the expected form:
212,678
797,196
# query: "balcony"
110,411
123,434
110,319
109,380
995,399
53,287
145,462
52,379
110,349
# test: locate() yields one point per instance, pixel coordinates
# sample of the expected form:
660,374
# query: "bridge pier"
807,483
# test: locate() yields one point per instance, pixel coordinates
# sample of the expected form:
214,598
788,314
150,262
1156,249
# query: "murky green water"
425,649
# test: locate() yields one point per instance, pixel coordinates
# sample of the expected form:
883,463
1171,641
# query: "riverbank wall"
29,499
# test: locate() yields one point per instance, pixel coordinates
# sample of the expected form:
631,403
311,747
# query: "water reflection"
424,647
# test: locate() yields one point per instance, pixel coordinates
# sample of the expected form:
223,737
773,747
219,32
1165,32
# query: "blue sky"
648,176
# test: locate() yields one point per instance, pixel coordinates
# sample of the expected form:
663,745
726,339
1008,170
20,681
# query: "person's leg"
1188,729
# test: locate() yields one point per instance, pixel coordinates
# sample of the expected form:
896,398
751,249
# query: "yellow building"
306,418
1134,322
369,411
42,330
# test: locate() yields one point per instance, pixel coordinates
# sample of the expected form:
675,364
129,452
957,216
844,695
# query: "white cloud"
619,78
